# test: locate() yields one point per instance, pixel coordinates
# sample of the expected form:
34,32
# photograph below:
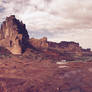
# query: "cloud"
56,19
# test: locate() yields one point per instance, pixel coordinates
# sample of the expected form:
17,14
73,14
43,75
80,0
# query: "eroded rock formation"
13,35
63,47
39,43
71,47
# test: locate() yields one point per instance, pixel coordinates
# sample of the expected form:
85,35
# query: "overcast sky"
59,20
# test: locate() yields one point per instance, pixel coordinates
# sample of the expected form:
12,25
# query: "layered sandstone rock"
13,35
39,43
64,47
71,47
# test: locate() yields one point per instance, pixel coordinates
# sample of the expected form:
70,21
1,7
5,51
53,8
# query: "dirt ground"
18,75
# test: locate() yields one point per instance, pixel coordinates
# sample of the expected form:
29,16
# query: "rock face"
71,47
13,35
62,49
68,47
39,43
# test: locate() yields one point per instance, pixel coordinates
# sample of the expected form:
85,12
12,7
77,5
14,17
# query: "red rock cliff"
13,35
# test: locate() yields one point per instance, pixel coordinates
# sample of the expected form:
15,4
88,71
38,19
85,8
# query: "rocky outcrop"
13,35
71,48
39,43
68,47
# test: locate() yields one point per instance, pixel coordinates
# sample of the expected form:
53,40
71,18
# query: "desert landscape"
38,65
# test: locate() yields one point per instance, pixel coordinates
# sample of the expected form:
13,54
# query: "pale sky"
59,20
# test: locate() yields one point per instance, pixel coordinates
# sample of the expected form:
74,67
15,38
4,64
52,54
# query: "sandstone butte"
13,35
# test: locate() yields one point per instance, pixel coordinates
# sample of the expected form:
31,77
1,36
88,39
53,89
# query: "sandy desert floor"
27,76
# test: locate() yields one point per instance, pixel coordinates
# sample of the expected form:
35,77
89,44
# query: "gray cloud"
2,9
